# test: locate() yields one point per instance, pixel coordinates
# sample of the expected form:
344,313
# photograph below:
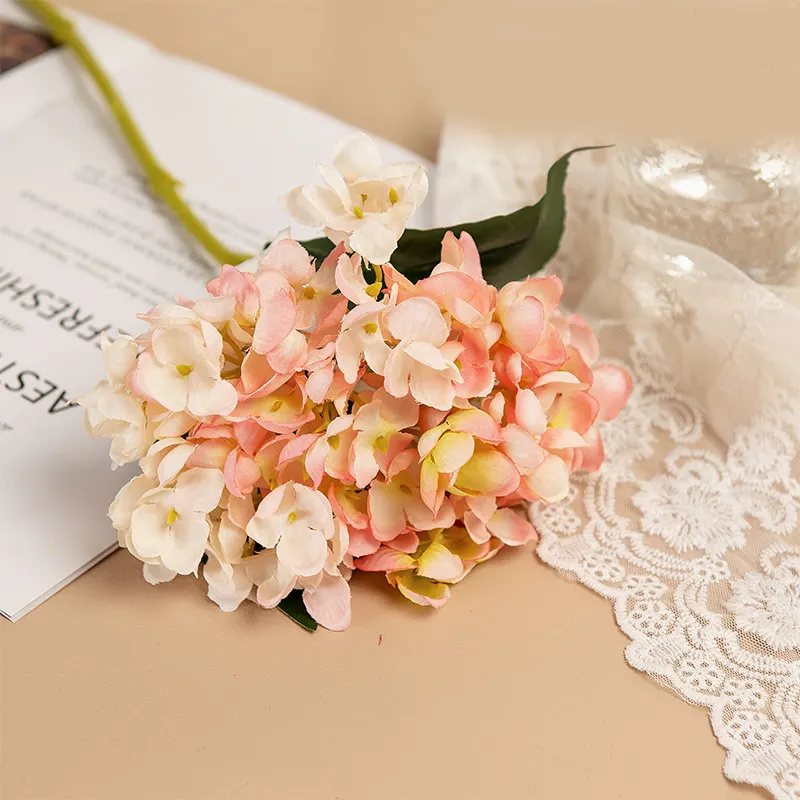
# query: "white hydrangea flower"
364,203
171,524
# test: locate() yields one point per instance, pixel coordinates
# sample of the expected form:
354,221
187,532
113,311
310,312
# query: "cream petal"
314,509
302,549
173,462
127,499
350,279
273,579
301,208
431,389
199,489
119,357
417,319
155,573
550,481
179,345
365,466
356,155
397,372
374,241
163,384
348,354
231,539
228,588
186,542
376,351
149,531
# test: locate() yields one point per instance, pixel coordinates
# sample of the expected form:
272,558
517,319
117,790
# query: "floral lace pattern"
664,530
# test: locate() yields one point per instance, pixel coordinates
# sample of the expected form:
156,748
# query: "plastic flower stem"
163,185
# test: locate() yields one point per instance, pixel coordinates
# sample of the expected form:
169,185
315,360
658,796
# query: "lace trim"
672,530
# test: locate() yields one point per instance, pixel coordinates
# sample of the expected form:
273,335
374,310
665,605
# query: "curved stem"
164,186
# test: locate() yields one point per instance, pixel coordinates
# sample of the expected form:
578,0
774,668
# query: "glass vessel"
742,204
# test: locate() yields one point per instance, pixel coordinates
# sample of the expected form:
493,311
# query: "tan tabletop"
516,689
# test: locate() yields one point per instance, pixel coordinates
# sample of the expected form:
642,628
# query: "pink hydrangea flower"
306,420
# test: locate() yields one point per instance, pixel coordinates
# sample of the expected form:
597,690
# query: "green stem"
164,186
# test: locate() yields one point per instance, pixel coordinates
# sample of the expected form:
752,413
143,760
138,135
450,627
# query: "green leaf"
511,246
294,607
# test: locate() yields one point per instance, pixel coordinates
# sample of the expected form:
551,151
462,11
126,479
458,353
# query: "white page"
82,247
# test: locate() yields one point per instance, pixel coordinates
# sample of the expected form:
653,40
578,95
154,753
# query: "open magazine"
84,248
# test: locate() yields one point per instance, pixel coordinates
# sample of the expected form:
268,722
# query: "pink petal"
576,411
612,386
296,446
477,423
386,512
275,322
592,457
362,543
528,412
547,290
385,560
329,603
550,349
523,323
522,448
319,383
406,542
290,354
582,338
290,259
510,527
561,438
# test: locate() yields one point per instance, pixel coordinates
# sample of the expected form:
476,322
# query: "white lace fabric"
691,527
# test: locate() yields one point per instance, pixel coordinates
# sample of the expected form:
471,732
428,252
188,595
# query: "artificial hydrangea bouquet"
309,419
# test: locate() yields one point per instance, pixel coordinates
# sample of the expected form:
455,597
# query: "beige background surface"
517,688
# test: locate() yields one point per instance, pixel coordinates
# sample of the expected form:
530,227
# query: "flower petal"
612,386
439,564
302,550
510,527
488,473
417,319
329,602
550,480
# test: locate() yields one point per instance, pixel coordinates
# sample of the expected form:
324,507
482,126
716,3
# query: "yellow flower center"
382,443
275,406
309,292
374,289
184,369
359,212
393,196
333,441
405,489
371,327
292,516
172,516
